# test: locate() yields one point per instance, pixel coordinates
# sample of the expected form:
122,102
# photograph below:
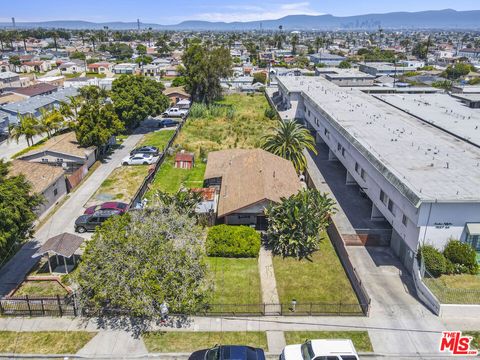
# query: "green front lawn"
158,138
170,179
321,279
187,341
455,289
360,339
236,281
41,288
44,342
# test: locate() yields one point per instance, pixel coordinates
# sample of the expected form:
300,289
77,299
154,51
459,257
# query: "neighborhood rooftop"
424,162
442,111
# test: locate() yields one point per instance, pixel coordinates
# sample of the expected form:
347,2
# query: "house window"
55,192
474,241
404,220
339,147
327,133
390,206
59,160
363,175
343,151
383,197
357,167
308,112
44,160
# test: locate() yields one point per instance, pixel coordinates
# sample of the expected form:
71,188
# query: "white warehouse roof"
424,163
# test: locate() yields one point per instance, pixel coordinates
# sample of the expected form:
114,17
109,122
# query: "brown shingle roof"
249,177
41,176
176,90
65,144
184,156
34,90
64,244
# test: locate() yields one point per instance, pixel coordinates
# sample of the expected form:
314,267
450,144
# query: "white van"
321,349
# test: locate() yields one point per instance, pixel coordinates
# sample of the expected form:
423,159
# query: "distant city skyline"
167,12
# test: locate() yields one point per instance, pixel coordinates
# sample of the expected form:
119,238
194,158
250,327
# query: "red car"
112,205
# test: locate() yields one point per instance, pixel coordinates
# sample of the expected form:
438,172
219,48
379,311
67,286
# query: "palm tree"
289,140
294,43
27,126
50,121
318,43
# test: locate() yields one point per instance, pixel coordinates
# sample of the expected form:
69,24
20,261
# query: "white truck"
175,112
321,349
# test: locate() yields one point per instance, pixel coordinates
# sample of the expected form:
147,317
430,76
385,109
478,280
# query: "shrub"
270,113
435,262
463,257
233,241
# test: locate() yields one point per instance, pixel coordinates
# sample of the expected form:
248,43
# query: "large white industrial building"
417,162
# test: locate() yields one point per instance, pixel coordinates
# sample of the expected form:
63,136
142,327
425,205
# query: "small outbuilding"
184,160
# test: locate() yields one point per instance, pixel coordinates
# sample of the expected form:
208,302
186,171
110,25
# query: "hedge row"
233,241
457,258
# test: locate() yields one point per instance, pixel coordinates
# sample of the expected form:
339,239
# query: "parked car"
165,123
89,222
111,205
229,352
149,150
138,159
175,112
341,349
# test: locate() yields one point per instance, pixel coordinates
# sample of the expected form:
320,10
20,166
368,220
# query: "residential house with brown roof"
63,150
36,90
45,180
248,181
176,94
100,67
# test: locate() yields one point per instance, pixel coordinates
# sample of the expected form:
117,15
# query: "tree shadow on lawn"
138,326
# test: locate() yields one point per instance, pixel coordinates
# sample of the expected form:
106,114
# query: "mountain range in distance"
431,19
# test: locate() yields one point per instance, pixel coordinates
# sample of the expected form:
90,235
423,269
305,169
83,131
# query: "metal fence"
137,198
447,295
39,306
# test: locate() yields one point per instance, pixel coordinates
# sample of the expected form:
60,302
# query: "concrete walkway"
113,343
268,283
13,272
10,147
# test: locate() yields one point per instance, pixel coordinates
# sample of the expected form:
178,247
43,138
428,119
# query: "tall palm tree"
27,126
50,121
294,42
288,141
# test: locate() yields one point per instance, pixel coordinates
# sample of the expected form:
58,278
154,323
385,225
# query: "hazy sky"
170,12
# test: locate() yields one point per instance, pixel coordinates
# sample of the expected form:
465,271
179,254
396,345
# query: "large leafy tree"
295,225
96,124
204,67
138,260
17,206
288,140
137,97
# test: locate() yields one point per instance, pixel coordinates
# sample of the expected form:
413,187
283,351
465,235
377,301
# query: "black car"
149,150
229,352
90,222
164,123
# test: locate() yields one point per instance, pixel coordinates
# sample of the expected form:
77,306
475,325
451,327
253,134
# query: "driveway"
63,220
8,148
